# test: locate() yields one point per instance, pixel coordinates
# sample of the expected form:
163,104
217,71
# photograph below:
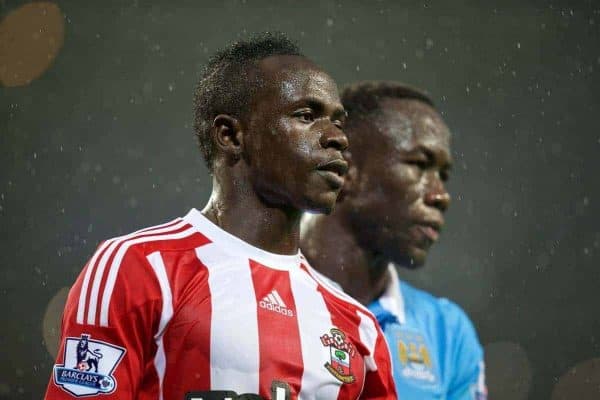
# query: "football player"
390,212
222,299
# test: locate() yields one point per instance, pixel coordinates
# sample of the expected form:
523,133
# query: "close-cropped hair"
362,99
227,83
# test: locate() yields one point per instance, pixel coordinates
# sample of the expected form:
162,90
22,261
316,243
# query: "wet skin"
284,157
295,140
393,201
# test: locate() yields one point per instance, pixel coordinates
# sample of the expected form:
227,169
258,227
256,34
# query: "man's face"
294,139
399,196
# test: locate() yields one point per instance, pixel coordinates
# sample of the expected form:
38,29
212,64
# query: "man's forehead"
295,75
410,122
316,82
286,67
281,62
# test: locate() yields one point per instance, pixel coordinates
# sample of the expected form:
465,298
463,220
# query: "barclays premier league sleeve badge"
89,366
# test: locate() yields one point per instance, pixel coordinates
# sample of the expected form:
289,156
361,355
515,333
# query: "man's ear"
228,136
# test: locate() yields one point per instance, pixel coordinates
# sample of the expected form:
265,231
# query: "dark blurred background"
96,141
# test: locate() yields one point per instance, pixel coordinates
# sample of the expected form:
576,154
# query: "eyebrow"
433,155
318,105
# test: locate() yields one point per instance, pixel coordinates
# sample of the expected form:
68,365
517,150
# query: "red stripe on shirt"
349,325
187,339
91,283
145,234
95,266
278,331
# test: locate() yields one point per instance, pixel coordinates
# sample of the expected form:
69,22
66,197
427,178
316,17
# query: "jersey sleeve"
110,318
468,379
379,379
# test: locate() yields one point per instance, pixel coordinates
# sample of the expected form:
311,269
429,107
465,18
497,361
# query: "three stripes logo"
274,302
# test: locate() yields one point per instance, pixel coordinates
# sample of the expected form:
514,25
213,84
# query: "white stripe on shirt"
160,360
315,320
233,319
116,264
92,265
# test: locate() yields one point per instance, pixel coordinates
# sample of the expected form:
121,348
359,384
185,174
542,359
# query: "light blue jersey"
434,346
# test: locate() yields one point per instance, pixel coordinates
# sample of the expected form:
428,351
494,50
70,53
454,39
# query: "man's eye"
444,176
419,163
305,116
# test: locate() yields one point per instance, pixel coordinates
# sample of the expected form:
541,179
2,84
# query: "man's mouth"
337,166
333,171
431,230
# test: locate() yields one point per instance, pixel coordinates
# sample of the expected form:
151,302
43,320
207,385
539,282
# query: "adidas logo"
274,302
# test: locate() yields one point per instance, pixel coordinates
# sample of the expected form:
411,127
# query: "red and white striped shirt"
186,306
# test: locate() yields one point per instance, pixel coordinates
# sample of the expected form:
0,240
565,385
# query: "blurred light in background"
582,382
30,38
52,318
508,371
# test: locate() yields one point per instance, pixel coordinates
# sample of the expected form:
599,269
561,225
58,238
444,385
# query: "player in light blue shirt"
433,344
390,212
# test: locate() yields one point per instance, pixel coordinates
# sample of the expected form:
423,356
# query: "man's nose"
333,136
437,196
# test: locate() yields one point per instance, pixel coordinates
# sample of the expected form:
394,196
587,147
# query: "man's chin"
412,259
324,205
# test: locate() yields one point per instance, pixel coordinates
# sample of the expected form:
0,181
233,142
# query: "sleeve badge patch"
88,366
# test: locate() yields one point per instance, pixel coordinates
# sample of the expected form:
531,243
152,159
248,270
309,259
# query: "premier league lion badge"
341,352
88,366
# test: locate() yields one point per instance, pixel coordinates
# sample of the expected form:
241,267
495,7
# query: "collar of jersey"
237,247
392,300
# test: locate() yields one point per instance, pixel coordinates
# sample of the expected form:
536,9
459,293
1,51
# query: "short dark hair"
226,85
361,99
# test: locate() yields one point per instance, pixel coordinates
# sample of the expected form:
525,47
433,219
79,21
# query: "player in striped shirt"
391,212
222,299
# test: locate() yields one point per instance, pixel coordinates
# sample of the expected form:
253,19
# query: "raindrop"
133,202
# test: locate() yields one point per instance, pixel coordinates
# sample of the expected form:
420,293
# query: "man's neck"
239,211
332,248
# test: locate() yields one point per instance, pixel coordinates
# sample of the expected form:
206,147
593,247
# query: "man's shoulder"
174,235
451,333
441,311
333,292
132,257
415,297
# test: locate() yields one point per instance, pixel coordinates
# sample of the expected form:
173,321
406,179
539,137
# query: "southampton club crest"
341,352
88,366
